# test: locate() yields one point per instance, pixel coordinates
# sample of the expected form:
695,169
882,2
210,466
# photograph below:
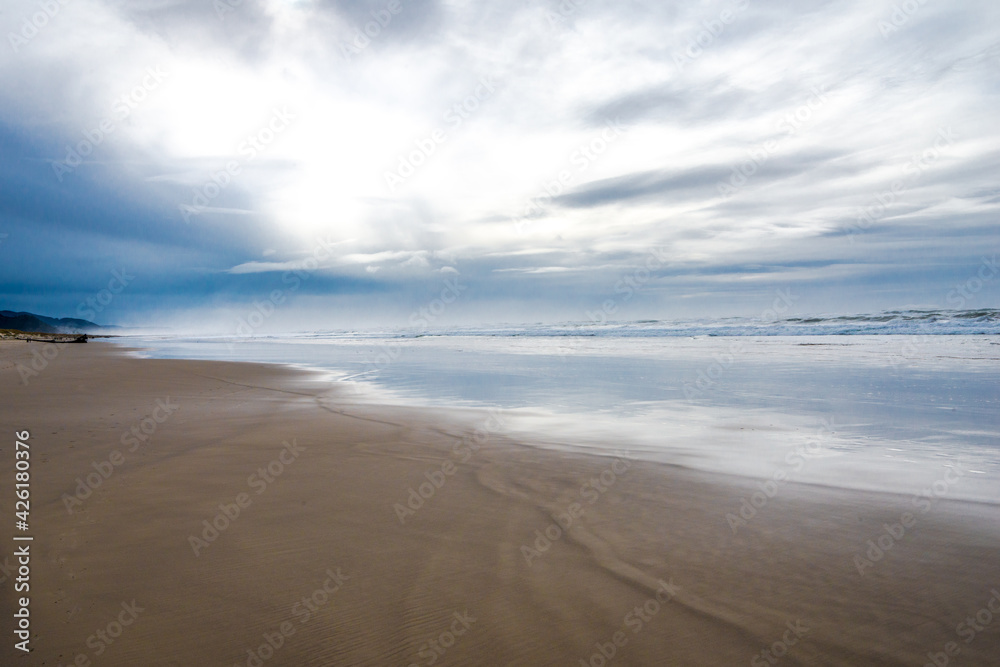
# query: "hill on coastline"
42,324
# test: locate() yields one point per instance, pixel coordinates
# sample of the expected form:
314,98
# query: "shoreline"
817,441
321,523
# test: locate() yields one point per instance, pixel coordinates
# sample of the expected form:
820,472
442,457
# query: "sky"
355,163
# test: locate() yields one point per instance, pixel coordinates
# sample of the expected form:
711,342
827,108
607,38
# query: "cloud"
750,139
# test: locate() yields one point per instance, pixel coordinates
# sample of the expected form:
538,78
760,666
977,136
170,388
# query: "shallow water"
874,412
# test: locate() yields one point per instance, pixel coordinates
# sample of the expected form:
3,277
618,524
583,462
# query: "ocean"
887,402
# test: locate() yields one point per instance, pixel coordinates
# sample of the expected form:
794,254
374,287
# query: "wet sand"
209,513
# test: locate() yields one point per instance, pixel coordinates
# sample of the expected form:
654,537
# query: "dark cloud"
563,68
697,183
242,27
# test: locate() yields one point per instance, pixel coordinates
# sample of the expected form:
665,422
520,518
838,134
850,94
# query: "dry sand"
451,585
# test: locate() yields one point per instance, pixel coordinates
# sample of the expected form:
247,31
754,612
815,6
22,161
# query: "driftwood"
79,339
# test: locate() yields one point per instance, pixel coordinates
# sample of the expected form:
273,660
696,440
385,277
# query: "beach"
215,513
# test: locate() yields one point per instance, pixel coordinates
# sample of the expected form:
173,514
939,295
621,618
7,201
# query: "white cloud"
534,134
